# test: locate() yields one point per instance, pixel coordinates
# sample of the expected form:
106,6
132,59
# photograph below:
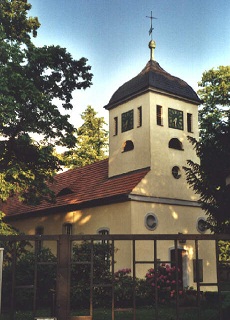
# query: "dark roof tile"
153,77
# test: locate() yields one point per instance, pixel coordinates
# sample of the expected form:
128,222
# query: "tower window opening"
115,124
175,143
189,122
139,110
128,146
159,116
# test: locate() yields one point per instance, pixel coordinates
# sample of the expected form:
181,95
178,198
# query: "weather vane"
151,27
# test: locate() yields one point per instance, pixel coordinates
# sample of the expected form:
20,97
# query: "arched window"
67,228
103,231
128,146
175,143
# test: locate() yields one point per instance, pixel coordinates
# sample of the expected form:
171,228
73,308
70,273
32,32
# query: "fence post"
63,278
1,262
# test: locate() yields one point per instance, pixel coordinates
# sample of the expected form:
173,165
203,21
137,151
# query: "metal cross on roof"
151,27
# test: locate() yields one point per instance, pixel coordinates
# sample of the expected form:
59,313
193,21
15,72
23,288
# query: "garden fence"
59,300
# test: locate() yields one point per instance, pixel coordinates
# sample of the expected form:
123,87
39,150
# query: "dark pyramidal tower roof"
153,78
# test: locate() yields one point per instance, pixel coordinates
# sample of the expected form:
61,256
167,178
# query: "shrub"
123,288
81,271
24,276
224,251
163,281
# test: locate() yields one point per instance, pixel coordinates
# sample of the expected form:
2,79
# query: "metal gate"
60,295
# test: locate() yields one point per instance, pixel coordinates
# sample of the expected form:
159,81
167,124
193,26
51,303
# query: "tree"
215,94
32,79
92,141
208,179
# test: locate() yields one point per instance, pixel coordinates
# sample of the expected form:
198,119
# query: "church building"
141,188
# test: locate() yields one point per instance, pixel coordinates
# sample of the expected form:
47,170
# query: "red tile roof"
89,185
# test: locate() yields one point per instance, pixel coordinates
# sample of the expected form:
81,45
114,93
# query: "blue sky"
191,36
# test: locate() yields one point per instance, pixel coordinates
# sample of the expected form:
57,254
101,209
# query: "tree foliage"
32,80
92,141
14,20
10,248
208,178
215,93
6,229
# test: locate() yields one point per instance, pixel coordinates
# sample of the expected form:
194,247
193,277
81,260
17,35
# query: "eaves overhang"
69,207
156,79
111,106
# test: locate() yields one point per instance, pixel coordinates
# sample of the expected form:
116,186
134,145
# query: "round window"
176,172
151,221
201,225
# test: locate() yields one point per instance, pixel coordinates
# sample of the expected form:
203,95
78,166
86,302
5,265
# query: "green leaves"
215,87
56,73
31,80
5,229
208,178
26,168
13,18
215,94
92,141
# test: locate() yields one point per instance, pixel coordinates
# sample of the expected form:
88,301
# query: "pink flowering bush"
164,280
121,273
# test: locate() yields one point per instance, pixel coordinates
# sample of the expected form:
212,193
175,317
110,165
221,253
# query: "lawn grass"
144,313
148,313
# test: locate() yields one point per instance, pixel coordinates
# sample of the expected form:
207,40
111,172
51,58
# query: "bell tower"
150,118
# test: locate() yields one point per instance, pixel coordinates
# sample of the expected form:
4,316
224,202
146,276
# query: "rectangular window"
159,116
139,110
115,123
189,122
